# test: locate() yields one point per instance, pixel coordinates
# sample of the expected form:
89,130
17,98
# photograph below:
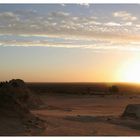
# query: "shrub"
113,89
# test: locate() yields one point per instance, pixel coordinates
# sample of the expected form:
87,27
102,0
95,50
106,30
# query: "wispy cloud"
124,16
112,24
85,4
65,25
62,4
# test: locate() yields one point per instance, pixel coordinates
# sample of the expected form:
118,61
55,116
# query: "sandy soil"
88,115
15,126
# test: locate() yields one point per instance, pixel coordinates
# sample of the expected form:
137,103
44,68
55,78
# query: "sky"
70,42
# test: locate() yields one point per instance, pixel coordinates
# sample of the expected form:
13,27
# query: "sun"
131,71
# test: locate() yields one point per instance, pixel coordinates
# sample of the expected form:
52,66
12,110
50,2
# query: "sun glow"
131,71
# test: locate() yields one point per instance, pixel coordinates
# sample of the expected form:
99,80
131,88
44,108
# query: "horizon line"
86,82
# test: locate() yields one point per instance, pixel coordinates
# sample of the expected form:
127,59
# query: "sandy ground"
15,126
88,115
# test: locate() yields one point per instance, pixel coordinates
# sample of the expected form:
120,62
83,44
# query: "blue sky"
68,43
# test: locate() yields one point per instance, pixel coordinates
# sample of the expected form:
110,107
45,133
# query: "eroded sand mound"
18,89
132,111
15,103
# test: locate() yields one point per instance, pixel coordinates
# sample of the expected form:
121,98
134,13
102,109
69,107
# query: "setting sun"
131,71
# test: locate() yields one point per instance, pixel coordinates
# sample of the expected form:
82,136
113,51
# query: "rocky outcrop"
132,111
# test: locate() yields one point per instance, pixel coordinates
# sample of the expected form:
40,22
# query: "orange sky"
70,43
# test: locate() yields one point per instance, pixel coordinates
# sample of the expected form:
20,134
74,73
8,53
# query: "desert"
70,69
45,113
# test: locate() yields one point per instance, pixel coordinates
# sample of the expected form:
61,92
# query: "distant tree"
113,89
88,90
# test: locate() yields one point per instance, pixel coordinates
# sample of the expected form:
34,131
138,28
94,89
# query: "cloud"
128,24
112,24
8,15
62,4
124,16
85,4
59,14
94,46
8,18
83,31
